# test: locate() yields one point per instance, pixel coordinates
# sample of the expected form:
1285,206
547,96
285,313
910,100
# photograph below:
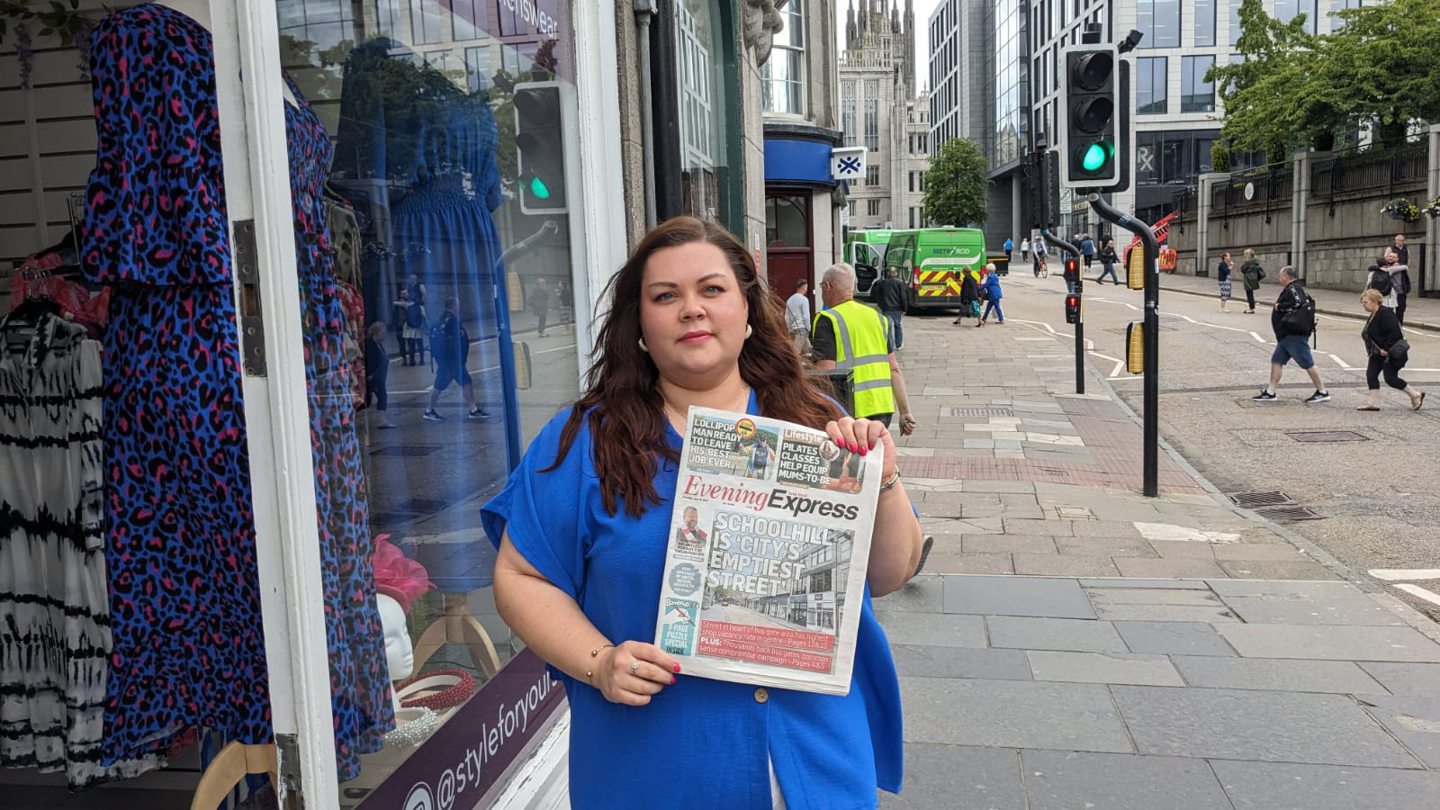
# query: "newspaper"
769,543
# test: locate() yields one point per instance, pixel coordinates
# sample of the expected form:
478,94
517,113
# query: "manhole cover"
1252,500
981,412
406,450
1324,436
1289,512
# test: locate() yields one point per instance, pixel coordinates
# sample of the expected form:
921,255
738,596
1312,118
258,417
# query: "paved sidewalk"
1073,644
1420,313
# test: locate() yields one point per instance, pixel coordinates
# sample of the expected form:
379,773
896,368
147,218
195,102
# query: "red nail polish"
864,450
677,667
672,679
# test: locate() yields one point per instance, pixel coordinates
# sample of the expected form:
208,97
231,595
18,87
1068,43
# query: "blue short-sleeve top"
700,743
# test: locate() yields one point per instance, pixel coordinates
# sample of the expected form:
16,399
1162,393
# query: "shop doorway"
790,256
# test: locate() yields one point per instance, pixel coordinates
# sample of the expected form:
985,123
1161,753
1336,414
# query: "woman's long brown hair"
622,403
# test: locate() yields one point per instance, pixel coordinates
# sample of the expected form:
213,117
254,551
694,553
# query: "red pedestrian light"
1072,267
1072,308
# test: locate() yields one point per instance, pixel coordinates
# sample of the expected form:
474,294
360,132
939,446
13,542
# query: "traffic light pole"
1052,239
1151,337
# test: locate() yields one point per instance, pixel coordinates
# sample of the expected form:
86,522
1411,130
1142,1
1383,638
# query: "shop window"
783,75
787,221
1150,92
1196,94
702,103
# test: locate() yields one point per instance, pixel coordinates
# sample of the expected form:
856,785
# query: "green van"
865,251
929,262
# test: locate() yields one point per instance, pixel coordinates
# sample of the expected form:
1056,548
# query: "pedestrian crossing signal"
1072,308
1135,269
1135,348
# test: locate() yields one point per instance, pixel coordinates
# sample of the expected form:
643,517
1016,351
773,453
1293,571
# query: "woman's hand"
861,436
629,674
1384,352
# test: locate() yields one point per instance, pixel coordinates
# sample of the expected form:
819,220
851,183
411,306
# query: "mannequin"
199,11
399,652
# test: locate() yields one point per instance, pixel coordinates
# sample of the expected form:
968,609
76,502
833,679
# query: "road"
1374,494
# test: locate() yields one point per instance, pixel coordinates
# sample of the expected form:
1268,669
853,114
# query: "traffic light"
540,143
1072,269
1092,141
1072,308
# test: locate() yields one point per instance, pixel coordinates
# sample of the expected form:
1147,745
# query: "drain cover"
981,412
1253,500
406,450
1290,512
1327,436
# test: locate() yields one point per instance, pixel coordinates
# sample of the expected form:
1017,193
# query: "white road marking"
1048,327
1119,364
1392,574
1342,363
1420,593
1046,356
1035,338
1130,305
1257,337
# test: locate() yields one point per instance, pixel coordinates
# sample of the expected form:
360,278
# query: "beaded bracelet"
593,653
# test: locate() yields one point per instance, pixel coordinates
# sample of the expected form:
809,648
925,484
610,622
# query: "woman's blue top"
700,743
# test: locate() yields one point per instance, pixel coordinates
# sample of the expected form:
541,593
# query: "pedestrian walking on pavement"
1293,321
1025,249
582,530
1399,281
1251,273
411,316
1107,261
1009,246
1388,352
850,335
797,317
889,294
969,298
1041,253
1223,277
540,304
450,346
377,371
1087,249
990,290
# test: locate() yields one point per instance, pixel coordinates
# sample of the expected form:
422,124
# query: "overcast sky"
923,10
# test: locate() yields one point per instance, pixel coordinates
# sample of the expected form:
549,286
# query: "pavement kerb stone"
1412,617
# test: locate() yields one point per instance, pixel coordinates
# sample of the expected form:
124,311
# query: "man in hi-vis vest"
850,335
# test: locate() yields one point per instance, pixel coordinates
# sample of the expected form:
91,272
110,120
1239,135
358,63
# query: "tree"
1294,89
956,183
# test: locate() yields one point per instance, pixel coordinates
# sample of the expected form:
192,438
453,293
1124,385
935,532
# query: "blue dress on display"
188,643
359,679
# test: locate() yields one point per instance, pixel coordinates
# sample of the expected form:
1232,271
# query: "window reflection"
458,304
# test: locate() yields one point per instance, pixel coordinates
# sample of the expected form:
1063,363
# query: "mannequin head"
399,651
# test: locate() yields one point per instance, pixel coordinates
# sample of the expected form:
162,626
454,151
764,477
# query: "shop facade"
400,214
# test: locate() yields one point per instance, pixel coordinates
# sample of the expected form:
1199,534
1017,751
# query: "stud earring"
643,347
749,330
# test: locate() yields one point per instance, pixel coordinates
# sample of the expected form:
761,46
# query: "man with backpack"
1293,320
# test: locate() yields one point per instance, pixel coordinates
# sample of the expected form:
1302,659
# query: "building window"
1159,21
783,76
478,70
1287,10
427,21
1235,21
1196,94
912,186
787,220
703,115
873,207
1150,85
872,175
847,113
872,122
912,217
1204,23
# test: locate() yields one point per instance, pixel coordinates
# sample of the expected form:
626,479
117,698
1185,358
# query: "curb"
1412,617
1334,313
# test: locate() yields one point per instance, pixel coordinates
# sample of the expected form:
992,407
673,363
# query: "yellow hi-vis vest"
862,345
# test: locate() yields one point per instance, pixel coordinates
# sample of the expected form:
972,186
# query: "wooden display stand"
234,762
457,626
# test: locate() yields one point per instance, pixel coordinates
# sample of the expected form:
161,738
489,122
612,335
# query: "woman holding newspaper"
583,528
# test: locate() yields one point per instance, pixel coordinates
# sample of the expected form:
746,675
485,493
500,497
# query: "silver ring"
634,666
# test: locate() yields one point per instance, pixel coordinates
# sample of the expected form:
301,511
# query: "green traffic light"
1095,156
539,189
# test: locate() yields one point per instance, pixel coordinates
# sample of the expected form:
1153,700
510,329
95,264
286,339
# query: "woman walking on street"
969,298
1251,272
1224,276
1388,350
992,295
584,523
1399,281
